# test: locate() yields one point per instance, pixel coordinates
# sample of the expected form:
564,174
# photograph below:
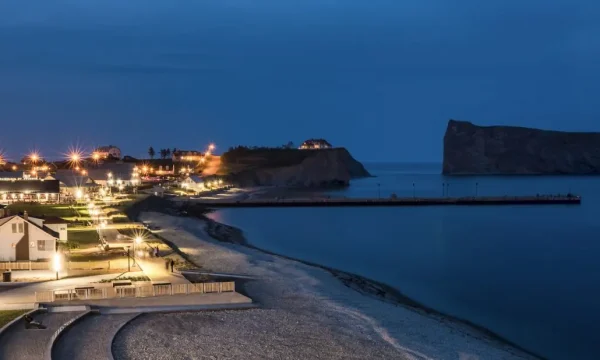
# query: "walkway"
90,338
156,270
26,344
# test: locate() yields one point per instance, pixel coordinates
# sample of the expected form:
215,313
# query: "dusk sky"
380,77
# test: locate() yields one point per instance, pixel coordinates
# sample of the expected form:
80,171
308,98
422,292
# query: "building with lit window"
104,152
73,184
315,144
20,189
187,156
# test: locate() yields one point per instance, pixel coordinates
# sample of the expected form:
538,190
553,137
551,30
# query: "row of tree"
164,153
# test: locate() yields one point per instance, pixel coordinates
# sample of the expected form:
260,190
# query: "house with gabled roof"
24,239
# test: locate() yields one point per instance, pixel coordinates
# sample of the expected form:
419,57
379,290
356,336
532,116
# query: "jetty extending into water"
412,201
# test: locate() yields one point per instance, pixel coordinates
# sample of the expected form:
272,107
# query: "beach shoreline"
366,288
363,285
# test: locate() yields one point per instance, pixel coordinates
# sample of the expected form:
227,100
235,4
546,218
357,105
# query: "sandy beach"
306,312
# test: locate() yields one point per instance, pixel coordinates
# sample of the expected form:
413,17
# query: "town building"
187,156
73,184
23,239
54,223
315,144
104,152
19,189
193,182
115,174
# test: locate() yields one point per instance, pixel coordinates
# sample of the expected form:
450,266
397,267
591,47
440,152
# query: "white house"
56,224
193,182
23,239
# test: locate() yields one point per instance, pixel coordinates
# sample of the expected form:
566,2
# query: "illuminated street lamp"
56,263
78,194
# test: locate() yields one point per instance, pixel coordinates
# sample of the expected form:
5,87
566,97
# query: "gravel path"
23,344
90,338
306,313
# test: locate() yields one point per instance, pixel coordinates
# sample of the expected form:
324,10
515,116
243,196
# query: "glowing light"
75,157
77,168
34,157
83,172
78,194
96,156
56,262
138,239
14,167
109,174
211,147
220,181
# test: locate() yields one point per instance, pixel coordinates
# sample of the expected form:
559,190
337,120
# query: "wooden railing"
130,291
119,264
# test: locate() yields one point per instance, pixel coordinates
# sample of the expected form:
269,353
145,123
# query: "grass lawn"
63,211
84,238
7,316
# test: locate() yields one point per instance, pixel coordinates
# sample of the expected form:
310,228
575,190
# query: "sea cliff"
291,167
471,149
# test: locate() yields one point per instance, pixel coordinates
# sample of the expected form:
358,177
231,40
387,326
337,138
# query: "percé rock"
296,168
471,149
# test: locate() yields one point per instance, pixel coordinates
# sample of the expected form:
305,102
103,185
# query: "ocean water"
529,273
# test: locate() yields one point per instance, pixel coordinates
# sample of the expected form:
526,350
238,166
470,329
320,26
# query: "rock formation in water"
291,167
472,149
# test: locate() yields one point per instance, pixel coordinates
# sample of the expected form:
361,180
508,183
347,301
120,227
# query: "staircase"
18,343
69,334
91,338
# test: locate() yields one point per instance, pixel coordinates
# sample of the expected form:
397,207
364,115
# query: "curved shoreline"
363,285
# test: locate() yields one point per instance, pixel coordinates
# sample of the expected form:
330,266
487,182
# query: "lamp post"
476,188
379,190
137,240
414,194
56,263
128,260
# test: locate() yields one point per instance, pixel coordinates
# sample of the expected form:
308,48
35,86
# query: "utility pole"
379,190
476,188
128,261
414,194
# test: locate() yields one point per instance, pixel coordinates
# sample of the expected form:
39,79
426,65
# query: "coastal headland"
470,149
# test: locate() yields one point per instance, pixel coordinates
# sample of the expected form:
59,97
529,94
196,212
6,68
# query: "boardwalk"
412,201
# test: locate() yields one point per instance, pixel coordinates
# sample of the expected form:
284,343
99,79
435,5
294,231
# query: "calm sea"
528,273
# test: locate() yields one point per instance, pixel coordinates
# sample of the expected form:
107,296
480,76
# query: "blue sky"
379,77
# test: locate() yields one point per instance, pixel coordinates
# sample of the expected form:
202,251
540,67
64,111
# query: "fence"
119,264
130,291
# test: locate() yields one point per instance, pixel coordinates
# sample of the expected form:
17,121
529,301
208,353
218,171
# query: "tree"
163,153
151,152
168,153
